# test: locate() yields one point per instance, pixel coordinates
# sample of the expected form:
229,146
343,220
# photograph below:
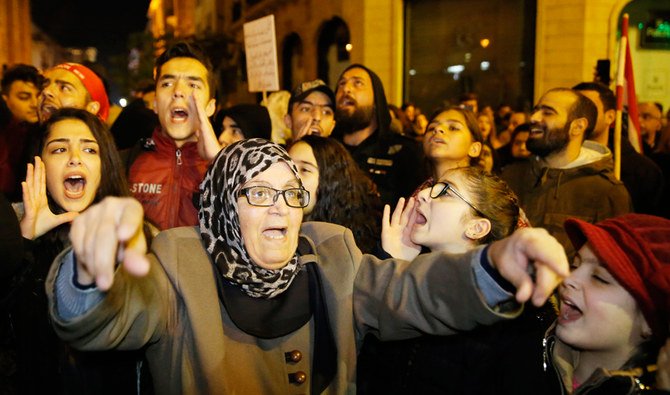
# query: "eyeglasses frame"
447,187
245,192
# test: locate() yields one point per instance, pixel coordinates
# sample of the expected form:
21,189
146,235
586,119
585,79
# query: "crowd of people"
179,249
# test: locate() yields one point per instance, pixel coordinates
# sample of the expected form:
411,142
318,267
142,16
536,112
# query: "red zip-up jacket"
166,179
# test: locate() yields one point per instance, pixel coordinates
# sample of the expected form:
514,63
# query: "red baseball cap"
92,83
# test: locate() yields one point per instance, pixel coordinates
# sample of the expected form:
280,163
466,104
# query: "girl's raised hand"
38,218
396,229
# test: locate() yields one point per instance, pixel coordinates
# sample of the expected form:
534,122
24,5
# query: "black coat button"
293,356
298,377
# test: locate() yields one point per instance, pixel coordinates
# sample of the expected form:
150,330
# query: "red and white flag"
625,88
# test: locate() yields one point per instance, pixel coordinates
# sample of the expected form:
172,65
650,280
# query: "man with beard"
567,175
394,162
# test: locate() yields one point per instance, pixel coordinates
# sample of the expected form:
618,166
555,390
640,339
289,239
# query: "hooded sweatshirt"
585,189
394,162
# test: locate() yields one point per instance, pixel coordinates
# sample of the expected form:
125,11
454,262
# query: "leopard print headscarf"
219,221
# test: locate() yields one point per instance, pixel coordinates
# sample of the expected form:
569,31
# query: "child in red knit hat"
613,318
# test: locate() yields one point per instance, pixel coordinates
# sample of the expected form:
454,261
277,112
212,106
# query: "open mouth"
315,130
277,233
568,312
347,101
420,218
536,131
74,187
47,109
179,114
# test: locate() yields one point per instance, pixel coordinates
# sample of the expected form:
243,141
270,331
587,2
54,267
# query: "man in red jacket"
165,171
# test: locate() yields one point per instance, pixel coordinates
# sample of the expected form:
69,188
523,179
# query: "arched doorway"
333,50
293,71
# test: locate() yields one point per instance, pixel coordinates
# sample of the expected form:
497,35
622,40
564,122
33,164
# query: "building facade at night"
427,52
430,51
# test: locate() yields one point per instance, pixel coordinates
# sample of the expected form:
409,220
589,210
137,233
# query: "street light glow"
455,69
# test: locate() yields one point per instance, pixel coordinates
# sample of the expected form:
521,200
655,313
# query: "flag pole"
621,64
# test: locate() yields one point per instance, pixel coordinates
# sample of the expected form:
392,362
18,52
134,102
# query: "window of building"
292,62
237,10
333,50
462,46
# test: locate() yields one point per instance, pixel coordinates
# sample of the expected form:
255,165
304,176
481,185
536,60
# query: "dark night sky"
81,23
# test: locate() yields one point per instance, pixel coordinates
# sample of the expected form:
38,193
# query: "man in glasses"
567,176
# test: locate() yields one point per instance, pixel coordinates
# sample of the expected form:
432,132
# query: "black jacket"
394,162
526,365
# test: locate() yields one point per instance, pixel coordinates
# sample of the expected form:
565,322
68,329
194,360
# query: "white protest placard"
260,44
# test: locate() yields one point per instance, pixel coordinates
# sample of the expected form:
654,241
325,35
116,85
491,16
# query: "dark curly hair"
21,72
345,195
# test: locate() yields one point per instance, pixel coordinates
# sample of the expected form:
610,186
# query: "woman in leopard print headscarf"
220,223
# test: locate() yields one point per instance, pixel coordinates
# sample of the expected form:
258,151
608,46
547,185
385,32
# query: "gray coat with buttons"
194,348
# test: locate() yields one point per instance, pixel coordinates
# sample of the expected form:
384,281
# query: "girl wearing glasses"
253,301
466,208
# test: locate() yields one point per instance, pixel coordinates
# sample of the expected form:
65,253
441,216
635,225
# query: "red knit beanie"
635,249
92,83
